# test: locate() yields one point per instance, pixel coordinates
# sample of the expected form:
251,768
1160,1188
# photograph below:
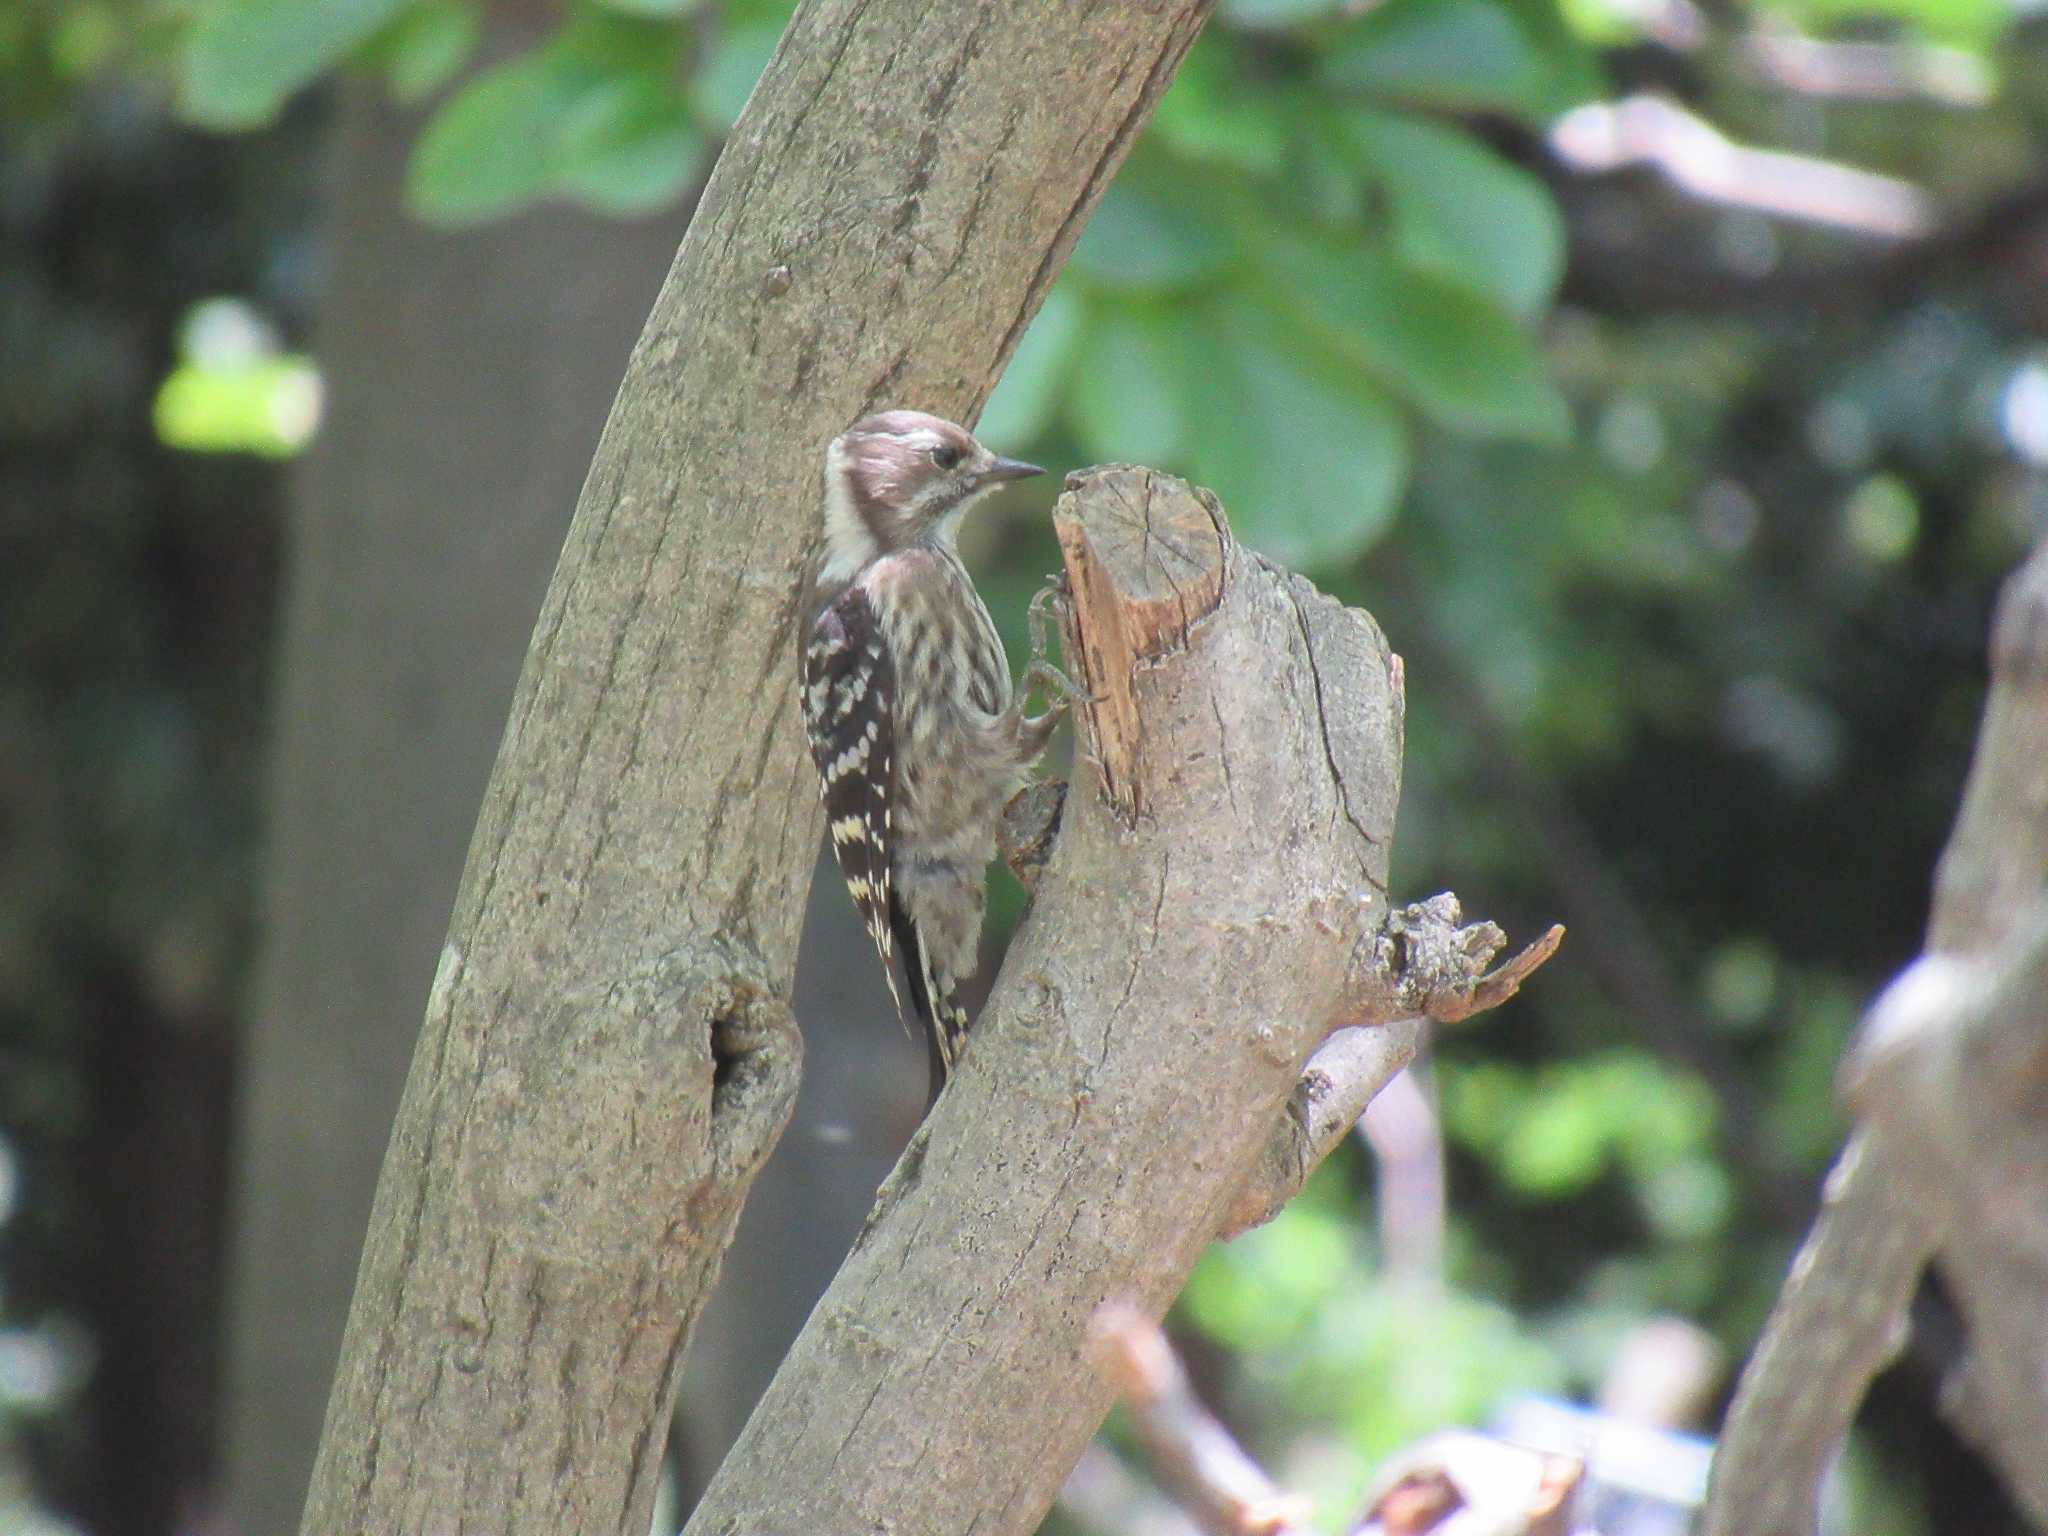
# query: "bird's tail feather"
934,998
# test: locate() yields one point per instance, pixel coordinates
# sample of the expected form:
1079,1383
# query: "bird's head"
902,477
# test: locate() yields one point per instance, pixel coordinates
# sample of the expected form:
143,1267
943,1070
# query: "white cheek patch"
849,543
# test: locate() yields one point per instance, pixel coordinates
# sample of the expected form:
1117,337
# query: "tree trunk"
463,401
607,1056
863,1094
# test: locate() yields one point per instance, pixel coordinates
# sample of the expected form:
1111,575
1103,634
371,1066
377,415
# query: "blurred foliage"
234,390
1687,521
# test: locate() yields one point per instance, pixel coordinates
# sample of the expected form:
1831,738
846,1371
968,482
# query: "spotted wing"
849,696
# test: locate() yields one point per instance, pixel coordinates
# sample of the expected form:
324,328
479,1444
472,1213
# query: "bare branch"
1839,1320
1894,71
1452,1484
1205,1469
1843,1311
1950,1073
1698,158
1410,1202
1421,963
1339,1081
1425,961
1102,1495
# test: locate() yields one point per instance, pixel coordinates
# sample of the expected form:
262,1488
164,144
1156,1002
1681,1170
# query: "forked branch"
1212,909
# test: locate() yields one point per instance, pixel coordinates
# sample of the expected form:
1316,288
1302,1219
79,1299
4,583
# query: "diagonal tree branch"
1950,1074
1842,1314
607,1056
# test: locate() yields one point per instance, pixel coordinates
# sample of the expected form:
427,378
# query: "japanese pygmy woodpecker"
918,735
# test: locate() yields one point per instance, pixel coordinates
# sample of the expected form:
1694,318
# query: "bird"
918,734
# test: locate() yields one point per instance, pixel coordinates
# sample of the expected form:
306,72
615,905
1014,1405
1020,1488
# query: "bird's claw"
1059,689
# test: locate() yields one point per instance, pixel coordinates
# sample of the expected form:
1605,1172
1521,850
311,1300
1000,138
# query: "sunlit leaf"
628,146
1466,55
1309,465
1463,212
1974,24
1029,391
1127,402
268,406
1139,240
243,59
1461,359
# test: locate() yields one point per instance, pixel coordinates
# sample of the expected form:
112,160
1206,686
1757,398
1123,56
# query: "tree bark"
1842,1314
462,405
606,1056
1207,916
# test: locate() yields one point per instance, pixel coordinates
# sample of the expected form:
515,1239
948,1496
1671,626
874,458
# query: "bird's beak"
1010,469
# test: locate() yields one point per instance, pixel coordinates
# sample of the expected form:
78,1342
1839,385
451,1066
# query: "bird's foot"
1040,673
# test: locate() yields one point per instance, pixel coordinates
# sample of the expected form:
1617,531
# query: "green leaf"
423,48
1309,464
1571,67
486,151
606,43
1139,240
1212,113
1970,24
1461,359
627,146
243,59
1030,388
1127,403
1463,212
1461,55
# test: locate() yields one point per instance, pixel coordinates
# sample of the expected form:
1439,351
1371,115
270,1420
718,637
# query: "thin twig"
1698,158
1899,70
1198,1460
1497,986
1400,1126
1421,964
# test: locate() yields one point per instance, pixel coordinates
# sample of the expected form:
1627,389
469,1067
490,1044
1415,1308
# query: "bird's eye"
946,458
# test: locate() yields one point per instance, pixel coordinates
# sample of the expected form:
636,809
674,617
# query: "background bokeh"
1668,378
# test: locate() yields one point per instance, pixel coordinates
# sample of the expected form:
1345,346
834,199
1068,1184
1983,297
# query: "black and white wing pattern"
849,698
